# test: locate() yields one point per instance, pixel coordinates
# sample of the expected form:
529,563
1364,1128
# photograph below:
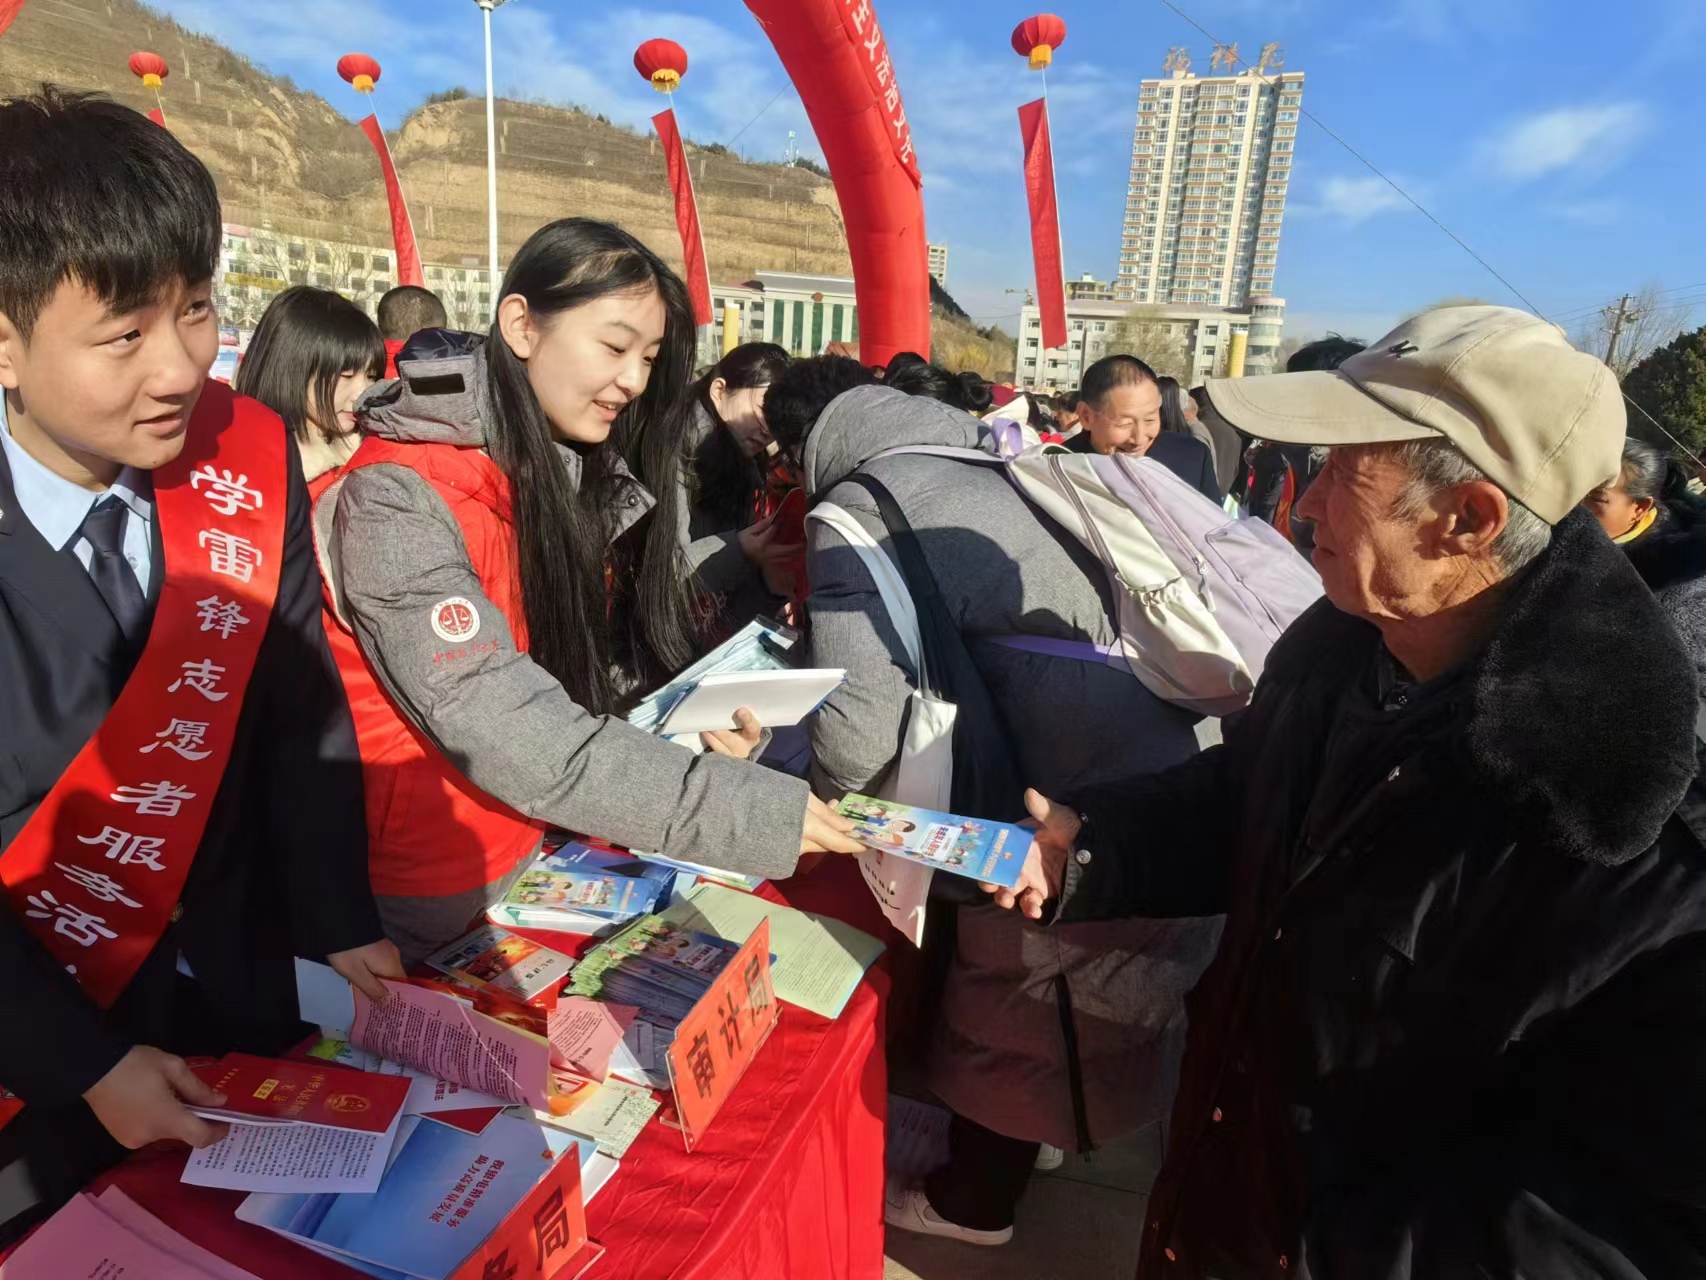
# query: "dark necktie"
114,578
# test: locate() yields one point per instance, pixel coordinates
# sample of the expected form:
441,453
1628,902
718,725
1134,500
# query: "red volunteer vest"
431,832
97,871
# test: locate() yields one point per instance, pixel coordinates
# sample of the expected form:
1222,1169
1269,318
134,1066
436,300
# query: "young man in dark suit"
180,797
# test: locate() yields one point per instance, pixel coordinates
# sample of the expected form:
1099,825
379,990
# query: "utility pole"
1619,319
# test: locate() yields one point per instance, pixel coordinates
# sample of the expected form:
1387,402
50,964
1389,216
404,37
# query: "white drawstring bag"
923,774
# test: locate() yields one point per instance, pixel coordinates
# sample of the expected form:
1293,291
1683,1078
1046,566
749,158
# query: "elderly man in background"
1457,1023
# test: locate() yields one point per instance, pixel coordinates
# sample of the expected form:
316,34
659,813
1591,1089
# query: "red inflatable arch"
839,62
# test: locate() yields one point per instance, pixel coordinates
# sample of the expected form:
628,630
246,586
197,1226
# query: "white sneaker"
911,1211
1050,1158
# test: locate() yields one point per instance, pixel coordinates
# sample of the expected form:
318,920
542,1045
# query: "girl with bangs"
313,356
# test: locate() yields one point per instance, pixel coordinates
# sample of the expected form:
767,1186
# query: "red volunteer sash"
96,873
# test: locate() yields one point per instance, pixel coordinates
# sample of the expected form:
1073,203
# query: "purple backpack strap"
1081,650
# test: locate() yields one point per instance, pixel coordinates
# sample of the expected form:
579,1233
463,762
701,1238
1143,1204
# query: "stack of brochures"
442,1195
660,970
585,891
762,645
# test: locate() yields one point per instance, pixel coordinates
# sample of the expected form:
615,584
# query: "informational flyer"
443,1035
295,1158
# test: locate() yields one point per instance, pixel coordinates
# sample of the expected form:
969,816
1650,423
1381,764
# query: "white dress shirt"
57,507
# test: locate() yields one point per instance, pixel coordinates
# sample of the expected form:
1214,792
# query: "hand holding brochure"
778,698
990,852
761,645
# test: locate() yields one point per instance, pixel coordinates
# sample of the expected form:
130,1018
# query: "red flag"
402,229
698,271
1045,221
8,11
158,116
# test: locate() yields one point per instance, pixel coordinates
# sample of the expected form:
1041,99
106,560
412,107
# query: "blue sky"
1559,138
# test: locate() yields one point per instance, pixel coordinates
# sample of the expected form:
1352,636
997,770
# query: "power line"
754,120
1694,294
1421,209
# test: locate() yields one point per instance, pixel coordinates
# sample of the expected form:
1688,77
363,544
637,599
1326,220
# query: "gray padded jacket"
393,551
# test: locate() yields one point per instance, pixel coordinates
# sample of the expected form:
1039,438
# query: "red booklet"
273,1091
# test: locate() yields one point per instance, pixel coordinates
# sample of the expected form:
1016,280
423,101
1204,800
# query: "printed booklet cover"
991,852
496,958
442,1195
268,1091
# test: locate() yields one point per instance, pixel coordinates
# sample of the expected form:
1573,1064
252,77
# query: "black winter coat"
1457,1024
1671,559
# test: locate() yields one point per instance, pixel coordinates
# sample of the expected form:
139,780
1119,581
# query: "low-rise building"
803,313
256,264
1089,289
1197,337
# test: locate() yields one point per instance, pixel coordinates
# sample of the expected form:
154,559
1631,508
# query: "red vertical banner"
402,229
1045,221
698,271
8,11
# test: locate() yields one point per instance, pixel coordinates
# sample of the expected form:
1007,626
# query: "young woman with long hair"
738,559
313,355
502,586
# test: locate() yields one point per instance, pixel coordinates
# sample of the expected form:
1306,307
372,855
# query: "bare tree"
1289,347
1160,343
1648,323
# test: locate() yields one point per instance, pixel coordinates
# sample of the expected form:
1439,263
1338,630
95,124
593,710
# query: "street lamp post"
486,7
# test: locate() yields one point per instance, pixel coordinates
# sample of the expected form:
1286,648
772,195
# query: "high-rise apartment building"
1210,164
939,264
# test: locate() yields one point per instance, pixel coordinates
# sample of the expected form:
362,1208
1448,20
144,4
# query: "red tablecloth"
787,1184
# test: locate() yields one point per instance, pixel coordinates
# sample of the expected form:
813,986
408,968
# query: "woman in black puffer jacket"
1662,528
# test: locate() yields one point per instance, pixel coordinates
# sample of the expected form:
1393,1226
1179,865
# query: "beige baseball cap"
1544,421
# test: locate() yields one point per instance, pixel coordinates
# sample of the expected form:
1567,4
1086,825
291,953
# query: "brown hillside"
287,158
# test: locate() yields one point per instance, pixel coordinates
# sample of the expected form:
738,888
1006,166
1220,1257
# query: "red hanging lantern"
663,62
151,67
360,71
1037,38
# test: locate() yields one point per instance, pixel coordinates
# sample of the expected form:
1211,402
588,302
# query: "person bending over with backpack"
998,1057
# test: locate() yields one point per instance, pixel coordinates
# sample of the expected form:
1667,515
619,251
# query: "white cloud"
1588,138
1353,200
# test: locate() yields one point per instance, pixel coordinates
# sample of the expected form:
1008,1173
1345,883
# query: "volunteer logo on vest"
455,619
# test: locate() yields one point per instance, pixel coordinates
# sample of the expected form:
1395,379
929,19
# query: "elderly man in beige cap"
1457,1023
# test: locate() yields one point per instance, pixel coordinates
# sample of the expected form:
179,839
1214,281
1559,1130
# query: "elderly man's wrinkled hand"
1045,865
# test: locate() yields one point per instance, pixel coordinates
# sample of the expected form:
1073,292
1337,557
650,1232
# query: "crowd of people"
1409,964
